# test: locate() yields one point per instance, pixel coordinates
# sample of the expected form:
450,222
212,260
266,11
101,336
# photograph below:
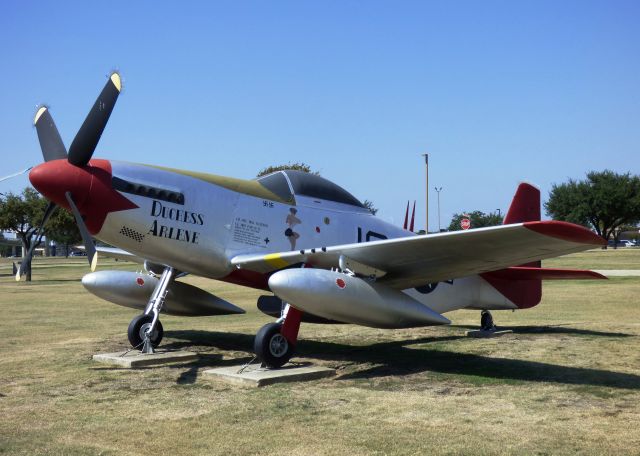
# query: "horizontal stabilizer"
527,273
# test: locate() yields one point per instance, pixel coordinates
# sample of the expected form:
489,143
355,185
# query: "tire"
486,321
137,328
271,347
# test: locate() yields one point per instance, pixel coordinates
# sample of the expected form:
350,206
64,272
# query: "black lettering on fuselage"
370,234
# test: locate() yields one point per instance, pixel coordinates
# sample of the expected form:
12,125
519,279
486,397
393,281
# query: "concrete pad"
136,359
254,375
480,334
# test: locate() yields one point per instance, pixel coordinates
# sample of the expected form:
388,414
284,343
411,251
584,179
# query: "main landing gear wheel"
486,321
139,326
271,347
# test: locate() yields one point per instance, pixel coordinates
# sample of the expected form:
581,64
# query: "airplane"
321,255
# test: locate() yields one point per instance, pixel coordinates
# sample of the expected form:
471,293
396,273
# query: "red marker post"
465,223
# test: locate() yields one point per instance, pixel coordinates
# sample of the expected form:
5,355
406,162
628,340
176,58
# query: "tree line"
23,214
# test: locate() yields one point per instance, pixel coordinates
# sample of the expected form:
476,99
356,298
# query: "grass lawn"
566,381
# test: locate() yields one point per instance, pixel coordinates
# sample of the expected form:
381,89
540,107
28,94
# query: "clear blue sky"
496,92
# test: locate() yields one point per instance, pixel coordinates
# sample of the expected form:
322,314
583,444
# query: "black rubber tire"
271,347
137,328
486,321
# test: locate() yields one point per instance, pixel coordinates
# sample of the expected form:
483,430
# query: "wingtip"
566,231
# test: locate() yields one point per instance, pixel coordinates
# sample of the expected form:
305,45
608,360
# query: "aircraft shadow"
559,329
397,358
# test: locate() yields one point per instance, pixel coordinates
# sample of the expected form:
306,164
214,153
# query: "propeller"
92,254
26,262
86,140
80,152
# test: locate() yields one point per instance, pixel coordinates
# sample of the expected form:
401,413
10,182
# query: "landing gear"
146,329
274,344
271,347
138,329
486,321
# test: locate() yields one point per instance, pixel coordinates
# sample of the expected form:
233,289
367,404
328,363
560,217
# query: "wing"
119,254
413,261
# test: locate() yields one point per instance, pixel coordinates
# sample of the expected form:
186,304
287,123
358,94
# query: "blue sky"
496,92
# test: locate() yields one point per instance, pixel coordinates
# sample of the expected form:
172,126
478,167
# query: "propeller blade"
86,140
92,254
26,261
50,141
15,174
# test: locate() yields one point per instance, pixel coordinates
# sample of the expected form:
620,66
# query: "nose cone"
279,283
56,177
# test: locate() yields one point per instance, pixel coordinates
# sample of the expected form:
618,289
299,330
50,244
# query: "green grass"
566,381
621,258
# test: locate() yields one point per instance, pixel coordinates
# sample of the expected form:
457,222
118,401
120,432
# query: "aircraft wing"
417,260
119,254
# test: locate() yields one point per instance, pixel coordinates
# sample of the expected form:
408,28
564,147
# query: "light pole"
438,190
426,164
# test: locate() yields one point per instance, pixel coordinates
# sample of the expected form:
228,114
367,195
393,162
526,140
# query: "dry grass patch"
566,381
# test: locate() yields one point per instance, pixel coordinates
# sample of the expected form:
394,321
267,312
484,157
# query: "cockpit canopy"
289,183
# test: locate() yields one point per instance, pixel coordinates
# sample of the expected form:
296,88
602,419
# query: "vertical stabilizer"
525,206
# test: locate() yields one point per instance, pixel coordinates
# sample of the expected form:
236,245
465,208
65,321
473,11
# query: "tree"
62,229
296,166
369,205
22,214
605,201
478,220
301,166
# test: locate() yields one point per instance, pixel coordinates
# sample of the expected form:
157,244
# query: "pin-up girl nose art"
292,221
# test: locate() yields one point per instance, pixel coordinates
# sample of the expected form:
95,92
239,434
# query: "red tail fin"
406,217
525,206
527,292
413,216
522,285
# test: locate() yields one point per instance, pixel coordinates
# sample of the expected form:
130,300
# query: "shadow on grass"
397,358
551,330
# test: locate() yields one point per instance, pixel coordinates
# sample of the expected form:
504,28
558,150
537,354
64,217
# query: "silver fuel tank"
349,299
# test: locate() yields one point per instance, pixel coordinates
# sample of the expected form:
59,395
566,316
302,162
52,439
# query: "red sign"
465,223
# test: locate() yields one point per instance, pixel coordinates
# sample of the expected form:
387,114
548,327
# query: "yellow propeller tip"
115,78
94,262
39,114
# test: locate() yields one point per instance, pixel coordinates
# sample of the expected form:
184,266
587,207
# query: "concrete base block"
480,334
254,375
136,359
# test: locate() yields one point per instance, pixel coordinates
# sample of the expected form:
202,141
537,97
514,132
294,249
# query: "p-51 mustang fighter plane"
322,254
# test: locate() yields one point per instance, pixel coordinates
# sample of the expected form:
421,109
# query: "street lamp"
438,190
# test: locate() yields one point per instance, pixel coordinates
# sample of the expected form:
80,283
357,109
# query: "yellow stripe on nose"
275,260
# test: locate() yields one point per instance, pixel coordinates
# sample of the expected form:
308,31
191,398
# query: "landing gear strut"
486,321
275,343
146,329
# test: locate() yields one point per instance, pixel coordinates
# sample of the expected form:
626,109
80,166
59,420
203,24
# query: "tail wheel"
486,321
271,347
138,327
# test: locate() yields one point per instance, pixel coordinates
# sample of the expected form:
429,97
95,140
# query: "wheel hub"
278,345
143,332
